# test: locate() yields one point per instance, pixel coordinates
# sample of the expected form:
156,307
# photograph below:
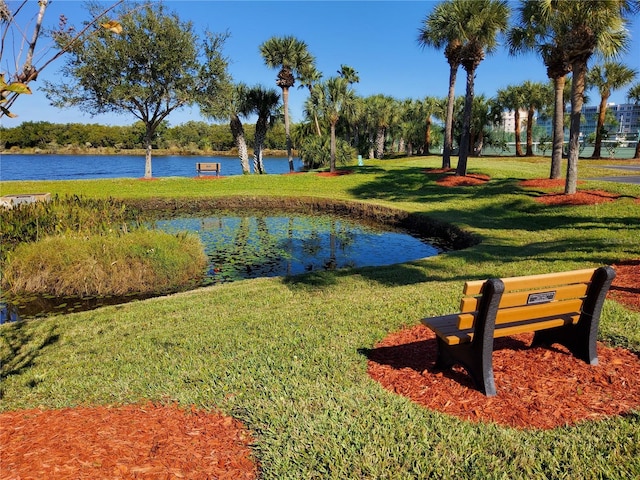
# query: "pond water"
84,167
266,246
252,246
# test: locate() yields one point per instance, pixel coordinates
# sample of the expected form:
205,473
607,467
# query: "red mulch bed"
537,387
581,197
337,173
438,170
135,441
544,183
468,180
626,286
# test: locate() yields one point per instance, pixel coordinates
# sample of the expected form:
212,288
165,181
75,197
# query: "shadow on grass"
517,211
20,347
390,275
421,357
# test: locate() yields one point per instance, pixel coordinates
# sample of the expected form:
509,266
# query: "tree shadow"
21,347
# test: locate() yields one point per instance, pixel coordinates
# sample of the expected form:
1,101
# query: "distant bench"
208,167
559,307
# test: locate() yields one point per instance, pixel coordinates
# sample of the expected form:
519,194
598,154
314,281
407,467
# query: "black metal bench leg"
478,364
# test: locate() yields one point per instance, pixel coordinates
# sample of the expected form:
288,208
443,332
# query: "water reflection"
265,246
254,245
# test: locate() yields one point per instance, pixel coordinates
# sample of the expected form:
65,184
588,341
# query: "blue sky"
377,38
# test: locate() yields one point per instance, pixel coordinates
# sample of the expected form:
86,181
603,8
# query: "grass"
283,354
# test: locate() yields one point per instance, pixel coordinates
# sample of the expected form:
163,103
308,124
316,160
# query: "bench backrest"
208,167
537,296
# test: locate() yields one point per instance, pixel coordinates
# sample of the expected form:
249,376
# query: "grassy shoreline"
282,354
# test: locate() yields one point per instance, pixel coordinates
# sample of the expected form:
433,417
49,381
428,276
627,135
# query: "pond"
267,246
260,245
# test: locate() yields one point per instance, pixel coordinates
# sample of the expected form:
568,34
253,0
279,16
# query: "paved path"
623,179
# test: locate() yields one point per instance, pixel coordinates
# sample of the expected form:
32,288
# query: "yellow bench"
208,167
559,307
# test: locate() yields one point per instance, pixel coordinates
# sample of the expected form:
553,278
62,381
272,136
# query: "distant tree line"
193,136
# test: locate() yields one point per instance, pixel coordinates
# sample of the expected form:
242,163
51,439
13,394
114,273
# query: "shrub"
61,216
140,262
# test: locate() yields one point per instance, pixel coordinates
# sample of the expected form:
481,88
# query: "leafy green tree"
265,103
482,20
606,78
156,66
443,28
23,57
290,56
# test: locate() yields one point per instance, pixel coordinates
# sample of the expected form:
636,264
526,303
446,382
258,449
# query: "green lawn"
282,355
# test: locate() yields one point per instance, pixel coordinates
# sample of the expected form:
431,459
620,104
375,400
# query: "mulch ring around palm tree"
581,197
539,387
336,173
448,178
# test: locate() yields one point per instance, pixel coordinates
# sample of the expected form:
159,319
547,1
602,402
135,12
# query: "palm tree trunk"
558,127
427,137
530,131
332,161
516,131
597,146
577,91
448,123
463,155
637,154
285,101
260,135
237,131
380,142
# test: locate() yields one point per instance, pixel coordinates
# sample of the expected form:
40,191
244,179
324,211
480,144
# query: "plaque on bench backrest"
541,297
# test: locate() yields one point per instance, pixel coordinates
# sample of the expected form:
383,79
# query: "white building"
627,117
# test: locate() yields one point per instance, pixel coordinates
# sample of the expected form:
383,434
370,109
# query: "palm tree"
429,107
338,100
536,96
483,20
534,33
308,76
633,95
349,74
584,28
264,102
383,113
237,107
607,77
442,29
512,98
290,55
